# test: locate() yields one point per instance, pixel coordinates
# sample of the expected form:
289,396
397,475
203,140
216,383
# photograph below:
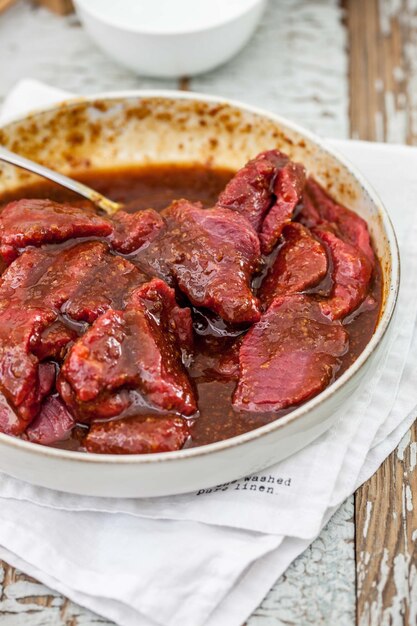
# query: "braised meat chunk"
38,222
159,300
211,255
319,209
19,281
81,281
54,423
301,263
351,274
53,341
23,381
85,280
132,231
94,280
288,188
10,422
250,191
266,192
289,356
136,349
35,222
137,435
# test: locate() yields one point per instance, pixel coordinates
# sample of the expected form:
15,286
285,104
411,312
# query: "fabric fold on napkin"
209,557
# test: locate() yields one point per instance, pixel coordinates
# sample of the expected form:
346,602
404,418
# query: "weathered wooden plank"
383,76
317,587
383,69
296,66
386,547
26,602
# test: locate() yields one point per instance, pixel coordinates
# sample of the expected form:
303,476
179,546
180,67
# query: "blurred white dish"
170,38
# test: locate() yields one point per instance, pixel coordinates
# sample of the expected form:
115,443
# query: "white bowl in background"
159,127
170,38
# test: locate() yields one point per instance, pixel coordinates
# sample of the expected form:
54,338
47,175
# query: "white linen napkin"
209,558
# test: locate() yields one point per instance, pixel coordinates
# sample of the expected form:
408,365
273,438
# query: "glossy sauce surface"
156,187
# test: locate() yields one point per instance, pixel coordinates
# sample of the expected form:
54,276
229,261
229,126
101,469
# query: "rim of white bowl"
296,414
84,5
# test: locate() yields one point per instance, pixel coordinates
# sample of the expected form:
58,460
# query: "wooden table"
340,70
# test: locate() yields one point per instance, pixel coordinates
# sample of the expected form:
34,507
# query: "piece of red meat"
104,358
36,222
23,275
108,404
23,322
250,191
81,281
10,422
53,341
85,280
266,191
54,423
228,364
226,367
22,380
159,300
288,188
351,276
216,358
319,209
289,356
137,435
211,255
301,263
133,230
46,374
135,349
96,281
308,214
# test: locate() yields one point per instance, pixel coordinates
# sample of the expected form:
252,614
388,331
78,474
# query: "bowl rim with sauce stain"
142,127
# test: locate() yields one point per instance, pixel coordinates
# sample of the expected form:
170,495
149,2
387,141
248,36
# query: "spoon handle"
104,203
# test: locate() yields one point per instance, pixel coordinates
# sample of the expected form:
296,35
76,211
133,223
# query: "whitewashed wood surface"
295,65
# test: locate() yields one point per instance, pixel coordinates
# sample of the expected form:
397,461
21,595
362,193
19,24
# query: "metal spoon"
101,201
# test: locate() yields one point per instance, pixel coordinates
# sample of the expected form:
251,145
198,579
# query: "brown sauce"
156,187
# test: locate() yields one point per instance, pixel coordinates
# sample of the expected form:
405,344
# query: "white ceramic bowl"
170,38
173,127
